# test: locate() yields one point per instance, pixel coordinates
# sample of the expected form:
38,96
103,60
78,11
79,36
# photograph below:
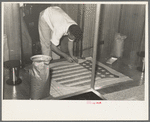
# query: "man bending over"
53,24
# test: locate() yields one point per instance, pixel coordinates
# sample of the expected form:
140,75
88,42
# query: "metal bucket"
40,77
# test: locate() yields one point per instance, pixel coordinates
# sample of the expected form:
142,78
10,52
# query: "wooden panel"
132,25
12,29
141,48
80,21
26,41
142,45
89,27
109,26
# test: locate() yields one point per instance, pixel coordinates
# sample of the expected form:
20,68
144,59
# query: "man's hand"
69,59
70,48
75,59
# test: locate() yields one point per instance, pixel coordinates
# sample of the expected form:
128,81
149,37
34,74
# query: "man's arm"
59,52
70,48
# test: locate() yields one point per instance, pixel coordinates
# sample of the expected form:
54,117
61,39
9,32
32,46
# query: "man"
53,24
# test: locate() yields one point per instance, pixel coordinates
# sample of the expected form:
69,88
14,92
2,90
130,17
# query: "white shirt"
58,22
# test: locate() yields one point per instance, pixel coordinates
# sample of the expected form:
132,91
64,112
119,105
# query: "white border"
86,2
78,110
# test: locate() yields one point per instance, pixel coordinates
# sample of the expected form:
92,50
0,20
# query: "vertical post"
95,44
20,17
14,75
80,21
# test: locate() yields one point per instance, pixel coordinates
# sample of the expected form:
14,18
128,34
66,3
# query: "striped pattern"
73,75
68,78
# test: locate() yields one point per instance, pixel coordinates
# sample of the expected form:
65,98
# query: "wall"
132,24
128,20
89,28
109,25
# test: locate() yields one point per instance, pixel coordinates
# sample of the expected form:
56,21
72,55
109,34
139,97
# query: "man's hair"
76,31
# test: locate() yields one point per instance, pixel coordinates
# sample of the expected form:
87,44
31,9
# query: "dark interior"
84,96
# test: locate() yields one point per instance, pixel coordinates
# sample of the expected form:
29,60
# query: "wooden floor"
22,91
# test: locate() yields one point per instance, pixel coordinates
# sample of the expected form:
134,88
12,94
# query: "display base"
10,82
